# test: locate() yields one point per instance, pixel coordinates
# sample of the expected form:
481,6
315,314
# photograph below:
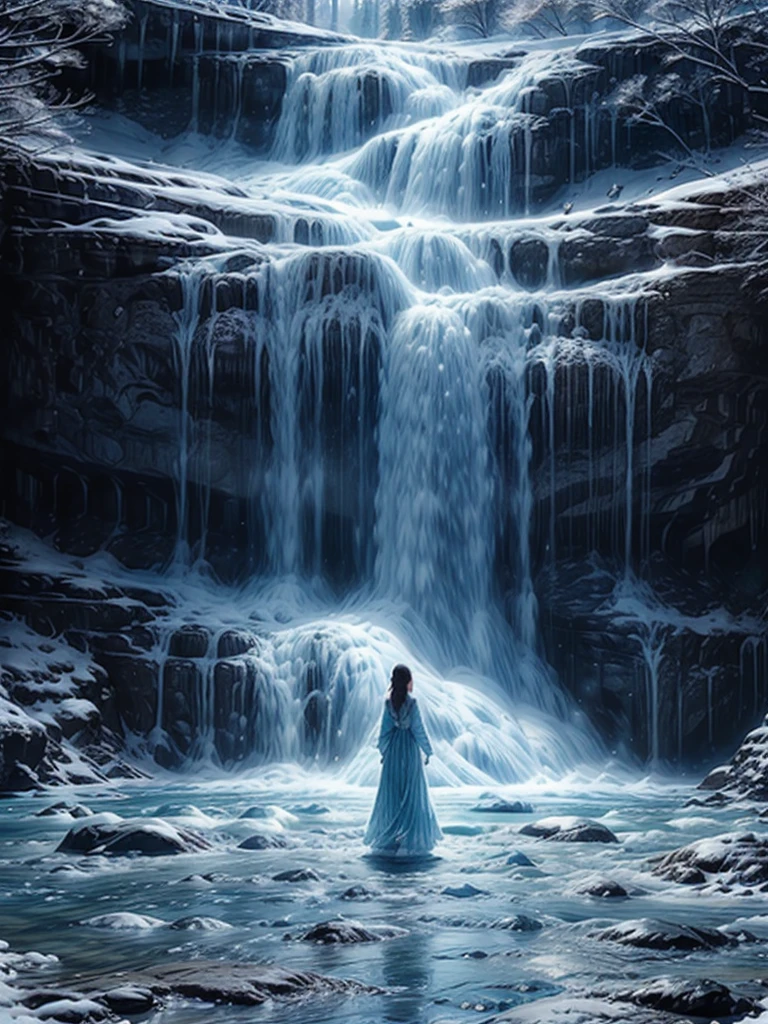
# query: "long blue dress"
403,821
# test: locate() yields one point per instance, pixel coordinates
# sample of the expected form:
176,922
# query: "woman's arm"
418,730
387,726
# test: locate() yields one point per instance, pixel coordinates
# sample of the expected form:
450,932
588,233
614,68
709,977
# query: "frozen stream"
451,965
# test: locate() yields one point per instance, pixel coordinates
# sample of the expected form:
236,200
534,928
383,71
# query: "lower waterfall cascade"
399,416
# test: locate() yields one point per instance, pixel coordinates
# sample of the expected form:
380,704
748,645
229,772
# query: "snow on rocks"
603,888
518,923
297,875
463,892
123,921
648,933
263,841
150,837
491,804
199,924
330,933
569,830
731,860
691,996
65,810
746,774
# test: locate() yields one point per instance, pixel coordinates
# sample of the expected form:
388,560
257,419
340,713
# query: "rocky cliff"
142,416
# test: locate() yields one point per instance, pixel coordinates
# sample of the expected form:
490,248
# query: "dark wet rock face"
696,998
646,933
146,838
569,830
729,860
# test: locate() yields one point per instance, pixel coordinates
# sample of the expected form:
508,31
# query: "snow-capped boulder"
569,830
150,837
730,860
695,997
350,932
648,933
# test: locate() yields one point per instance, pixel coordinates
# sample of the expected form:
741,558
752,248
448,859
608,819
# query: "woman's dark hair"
398,687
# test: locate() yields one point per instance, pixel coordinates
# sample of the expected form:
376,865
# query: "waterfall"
418,398
434,499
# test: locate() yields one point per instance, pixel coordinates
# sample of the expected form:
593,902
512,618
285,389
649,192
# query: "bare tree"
482,17
38,40
726,40
544,18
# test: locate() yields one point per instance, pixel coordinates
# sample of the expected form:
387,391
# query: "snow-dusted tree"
544,18
392,20
38,40
481,17
421,18
725,41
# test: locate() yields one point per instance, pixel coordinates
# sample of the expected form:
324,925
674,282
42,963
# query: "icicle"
142,47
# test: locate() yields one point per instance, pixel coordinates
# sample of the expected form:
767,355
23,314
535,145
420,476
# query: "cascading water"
409,383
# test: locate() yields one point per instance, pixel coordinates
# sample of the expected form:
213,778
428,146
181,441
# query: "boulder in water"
518,923
358,892
349,932
694,997
518,859
463,892
647,933
603,888
490,804
263,841
297,875
731,859
128,999
151,837
215,981
199,924
62,808
123,921
569,830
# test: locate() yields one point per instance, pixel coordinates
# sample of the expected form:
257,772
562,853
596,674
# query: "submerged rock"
730,859
63,808
569,830
348,932
214,981
518,923
603,888
129,999
146,837
648,933
518,859
358,892
463,892
312,809
297,875
199,924
694,997
263,841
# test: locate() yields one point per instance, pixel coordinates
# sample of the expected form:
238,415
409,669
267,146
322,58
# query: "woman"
403,821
